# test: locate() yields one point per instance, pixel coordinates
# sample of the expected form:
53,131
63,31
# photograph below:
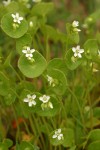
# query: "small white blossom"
77,51
30,100
58,135
28,52
46,103
17,18
44,98
75,24
50,80
6,3
36,1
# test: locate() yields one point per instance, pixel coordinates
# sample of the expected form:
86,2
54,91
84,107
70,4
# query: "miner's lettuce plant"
53,99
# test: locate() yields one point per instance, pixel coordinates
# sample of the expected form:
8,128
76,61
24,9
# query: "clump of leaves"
52,100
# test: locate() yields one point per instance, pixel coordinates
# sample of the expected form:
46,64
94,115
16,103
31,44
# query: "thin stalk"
18,129
47,50
16,73
38,129
63,110
44,122
32,126
27,129
91,112
78,105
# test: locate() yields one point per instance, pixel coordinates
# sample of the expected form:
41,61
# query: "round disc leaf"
60,81
32,69
26,146
22,42
48,111
71,61
7,26
57,63
94,146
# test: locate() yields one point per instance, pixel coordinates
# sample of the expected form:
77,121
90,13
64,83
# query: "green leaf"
32,69
7,26
72,36
26,108
58,63
93,18
73,148
91,49
6,144
26,146
94,135
12,7
39,8
10,97
96,112
60,81
69,139
94,146
4,84
71,61
49,112
33,27
50,32
23,41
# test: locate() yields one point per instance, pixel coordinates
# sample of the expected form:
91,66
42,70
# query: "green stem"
32,126
39,131
18,129
16,73
78,105
27,129
63,111
47,50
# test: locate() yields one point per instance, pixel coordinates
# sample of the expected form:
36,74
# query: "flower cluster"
51,81
45,102
17,20
28,52
30,99
77,51
75,24
58,134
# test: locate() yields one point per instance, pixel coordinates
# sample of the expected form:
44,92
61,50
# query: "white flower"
30,100
6,3
28,52
75,24
77,51
58,135
46,103
44,98
36,1
17,18
50,80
